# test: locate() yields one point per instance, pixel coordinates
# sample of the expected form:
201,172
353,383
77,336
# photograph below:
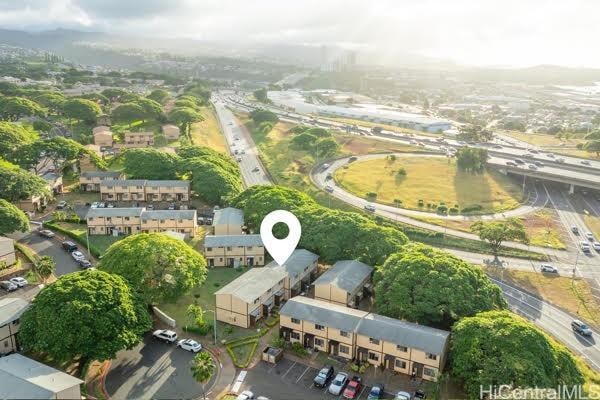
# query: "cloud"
511,32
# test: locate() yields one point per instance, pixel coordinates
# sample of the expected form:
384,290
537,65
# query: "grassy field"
208,132
543,140
432,180
101,242
593,223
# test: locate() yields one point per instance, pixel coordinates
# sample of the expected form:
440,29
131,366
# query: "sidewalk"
226,373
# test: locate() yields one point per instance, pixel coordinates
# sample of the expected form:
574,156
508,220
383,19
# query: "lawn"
431,179
208,132
593,223
544,140
100,242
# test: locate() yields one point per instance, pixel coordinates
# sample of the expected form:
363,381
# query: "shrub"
277,341
401,172
453,210
421,202
299,350
397,201
371,194
472,208
442,209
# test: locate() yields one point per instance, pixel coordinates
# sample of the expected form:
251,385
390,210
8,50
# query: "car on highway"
84,263
596,246
585,162
48,234
189,345
69,246
95,204
590,236
376,392
329,189
511,163
19,281
585,247
538,164
245,395
236,138
353,388
255,169
61,204
370,207
338,384
548,268
575,230
560,160
324,376
8,286
581,328
165,335
77,255
532,167
519,161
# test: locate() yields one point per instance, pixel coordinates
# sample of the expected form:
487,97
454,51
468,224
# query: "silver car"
339,383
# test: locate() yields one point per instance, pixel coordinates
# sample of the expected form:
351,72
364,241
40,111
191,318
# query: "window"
162,221
430,356
373,356
295,321
319,342
319,327
108,219
373,341
228,248
209,249
249,248
344,349
221,259
180,221
90,219
344,334
429,372
144,221
403,349
295,335
400,363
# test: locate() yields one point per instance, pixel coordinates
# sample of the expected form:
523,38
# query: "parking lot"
293,380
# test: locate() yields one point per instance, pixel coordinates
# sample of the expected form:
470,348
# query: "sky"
468,32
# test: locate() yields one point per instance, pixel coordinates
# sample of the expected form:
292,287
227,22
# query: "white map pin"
280,249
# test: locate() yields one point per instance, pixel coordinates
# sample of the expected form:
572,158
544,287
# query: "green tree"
44,268
152,109
157,266
53,101
186,101
96,98
12,138
203,368
149,163
475,133
195,313
326,147
260,116
471,159
498,347
211,181
17,184
593,146
496,232
14,108
12,219
113,94
90,314
184,117
261,95
159,95
81,110
432,287
128,113
595,135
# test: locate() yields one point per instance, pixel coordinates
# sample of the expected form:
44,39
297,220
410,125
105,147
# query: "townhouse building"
170,131
353,334
180,221
300,270
345,283
103,138
138,139
228,221
89,181
7,251
145,190
234,250
11,310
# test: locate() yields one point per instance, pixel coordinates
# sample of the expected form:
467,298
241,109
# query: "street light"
214,323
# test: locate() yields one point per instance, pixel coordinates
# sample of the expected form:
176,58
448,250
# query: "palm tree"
44,268
203,367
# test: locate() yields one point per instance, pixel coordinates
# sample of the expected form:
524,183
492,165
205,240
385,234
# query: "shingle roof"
169,214
124,182
347,275
115,212
169,183
24,378
232,240
252,284
298,260
101,174
429,340
11,308
228,216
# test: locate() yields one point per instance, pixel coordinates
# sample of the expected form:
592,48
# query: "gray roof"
11,308
24,378
124,182
115,212
429,340
169,183
138,133
296,263
252,284
228,216
101,174
169,214
347,275
232,240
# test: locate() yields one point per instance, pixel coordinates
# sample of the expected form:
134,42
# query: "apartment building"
366,337
144,190
228,221
11,310
170,131
103,137
345,283
234,250
7,251
138,139
250,297
127,221
300,270
54,185
90,181
100,128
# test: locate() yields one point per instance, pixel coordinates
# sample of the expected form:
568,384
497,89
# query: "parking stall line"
361,392
289,369
301,375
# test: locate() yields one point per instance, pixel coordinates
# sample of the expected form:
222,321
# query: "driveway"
154,370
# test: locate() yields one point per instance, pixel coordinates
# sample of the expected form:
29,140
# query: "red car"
353,388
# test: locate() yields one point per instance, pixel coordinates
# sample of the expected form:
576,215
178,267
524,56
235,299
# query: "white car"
586,162
548,268
402,396
596,246
590,236
329,189
95,204
19,281
339,383
245,395
77,255
165,335
189,345
370,207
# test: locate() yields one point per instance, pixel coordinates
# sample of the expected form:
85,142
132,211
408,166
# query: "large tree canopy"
12,137
152,109
13,108
18,184
211,182
149,163
53,101
184,117
128,113
82,110
12,219
159,95
500,348
91,314
471,159
260,116
496,232
157,266
432,287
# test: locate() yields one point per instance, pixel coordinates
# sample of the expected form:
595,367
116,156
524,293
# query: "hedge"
236,362
29,254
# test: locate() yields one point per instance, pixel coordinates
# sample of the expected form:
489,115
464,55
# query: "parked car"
110,205
581,328
352,159
85,264
189,345
402,396
519,161
171,206
61,204
548,268
338,384
19,281
239,159
8,286
150,207
46,233
329,189
324,376
538,163
77,255
245,395
376,392
560,160
590,236
69,246
420,394
370,207
95,204
165,335
353,388
551,155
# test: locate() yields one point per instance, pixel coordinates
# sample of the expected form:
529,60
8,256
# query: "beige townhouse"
353,334
170,131
250,297
300,270
228,221
180,221
7,251
234,250
90,181
138,139
167,190
11,310
100,128
144,190
54,185
103,138
345,283
103,119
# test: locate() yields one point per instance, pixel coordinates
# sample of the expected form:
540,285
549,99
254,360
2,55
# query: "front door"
230,262
417,370
211,262
250,261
